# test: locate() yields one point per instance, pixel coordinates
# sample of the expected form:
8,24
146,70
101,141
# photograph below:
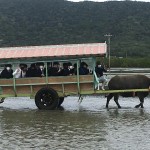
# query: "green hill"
43,22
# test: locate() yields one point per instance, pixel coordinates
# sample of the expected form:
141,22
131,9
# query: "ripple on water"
86,126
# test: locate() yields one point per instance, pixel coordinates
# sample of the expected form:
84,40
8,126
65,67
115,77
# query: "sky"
105,0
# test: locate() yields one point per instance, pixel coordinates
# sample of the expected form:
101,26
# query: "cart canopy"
53,51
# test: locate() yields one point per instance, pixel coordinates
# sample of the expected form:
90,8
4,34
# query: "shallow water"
85,126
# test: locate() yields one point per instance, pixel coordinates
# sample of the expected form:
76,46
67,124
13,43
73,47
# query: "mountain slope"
43,22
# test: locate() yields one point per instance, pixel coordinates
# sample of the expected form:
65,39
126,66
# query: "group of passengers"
68,69
38,70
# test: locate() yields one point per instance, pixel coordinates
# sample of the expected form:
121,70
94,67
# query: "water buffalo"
128,82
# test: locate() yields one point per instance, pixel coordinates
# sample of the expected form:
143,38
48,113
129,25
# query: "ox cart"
49,92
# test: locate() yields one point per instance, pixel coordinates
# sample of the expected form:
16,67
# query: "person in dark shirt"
65,71
32,71
75,69
7,72
99,69
83,70
40,69
54,70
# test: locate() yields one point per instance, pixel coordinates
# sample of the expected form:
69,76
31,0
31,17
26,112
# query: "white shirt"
18,73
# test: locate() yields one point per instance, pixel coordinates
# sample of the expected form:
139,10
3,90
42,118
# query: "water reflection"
85,126
128,129
52,129
129,112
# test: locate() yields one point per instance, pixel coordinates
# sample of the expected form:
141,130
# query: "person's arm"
2,74
105,70
15,72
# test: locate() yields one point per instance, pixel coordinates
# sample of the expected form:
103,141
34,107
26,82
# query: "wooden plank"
92,92
86,87
51,80
6,81
86,78
62,79
70,88
8,90
122,91
23,90
31,81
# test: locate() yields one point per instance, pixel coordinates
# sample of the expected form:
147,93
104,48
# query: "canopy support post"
14,83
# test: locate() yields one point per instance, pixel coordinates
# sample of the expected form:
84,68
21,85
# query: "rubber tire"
47,99
61,100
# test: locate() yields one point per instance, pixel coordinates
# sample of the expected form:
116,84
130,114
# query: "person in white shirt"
21,71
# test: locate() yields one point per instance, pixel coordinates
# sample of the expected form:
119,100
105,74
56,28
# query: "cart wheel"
61,100
46,98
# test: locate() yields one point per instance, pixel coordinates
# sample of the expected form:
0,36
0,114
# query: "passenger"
40,69
49,65
54,70
83,70
71,68
75,68
24,70
7,72
65,71
32,71
21,71
99,69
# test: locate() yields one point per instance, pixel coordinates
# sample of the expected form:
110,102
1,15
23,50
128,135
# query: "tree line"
49,22
129,62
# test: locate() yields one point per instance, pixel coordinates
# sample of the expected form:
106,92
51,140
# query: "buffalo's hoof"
137,106
2,99
119,107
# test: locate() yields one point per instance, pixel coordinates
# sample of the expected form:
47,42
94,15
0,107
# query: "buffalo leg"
109,97
116,96
137,106
141,102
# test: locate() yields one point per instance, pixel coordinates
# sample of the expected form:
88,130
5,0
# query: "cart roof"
53,51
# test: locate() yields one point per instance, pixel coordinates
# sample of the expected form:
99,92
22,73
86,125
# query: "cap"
8,65
56,63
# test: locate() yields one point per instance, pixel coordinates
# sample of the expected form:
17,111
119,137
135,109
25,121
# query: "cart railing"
64,85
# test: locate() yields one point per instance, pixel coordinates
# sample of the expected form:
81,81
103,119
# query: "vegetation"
129,62
46,22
